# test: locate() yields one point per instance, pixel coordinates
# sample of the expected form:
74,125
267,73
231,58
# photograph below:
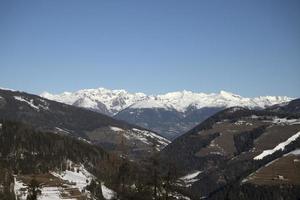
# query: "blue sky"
247,47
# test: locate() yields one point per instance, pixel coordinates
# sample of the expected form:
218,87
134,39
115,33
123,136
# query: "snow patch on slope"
60,130
20,189
77,179
50,193
280,146
147,137
31,103
295,152
80,177
285,121
177,195
117,129
144,136
190,176
47,193
107,193
189,179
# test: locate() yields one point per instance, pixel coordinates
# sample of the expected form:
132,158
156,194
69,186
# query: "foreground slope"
240,154
46,164
97,128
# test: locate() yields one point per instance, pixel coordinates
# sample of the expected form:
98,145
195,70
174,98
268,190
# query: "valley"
149,100
51,150
170,114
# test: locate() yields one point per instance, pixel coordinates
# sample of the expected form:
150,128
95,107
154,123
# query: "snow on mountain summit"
113,101
150,102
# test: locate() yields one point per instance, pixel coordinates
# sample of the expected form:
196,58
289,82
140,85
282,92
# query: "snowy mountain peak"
100,99
113,101
229,95
152,102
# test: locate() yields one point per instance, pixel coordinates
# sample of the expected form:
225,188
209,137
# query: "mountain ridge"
48,115
238,151
118,100
169,114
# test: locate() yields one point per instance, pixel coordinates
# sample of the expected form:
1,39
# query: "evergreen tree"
33,190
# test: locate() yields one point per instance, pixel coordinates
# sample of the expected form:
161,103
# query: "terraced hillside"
237,148
283,170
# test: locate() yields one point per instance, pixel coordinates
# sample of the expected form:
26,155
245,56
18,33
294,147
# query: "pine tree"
33,190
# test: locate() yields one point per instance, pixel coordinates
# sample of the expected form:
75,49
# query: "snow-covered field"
50,193
280,146
73,180
78,178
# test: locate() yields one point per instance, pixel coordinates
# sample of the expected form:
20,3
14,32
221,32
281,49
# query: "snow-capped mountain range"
113,101
170,114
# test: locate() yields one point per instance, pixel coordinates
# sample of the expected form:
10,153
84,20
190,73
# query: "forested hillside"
37,160
47,115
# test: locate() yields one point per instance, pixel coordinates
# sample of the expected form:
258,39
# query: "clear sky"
249,47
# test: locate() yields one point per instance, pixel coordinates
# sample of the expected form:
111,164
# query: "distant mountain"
118,100
71,152
290,107
102,100
47,115
240,153
169,114
168,122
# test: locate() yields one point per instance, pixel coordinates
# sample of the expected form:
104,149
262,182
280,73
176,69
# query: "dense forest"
23,150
